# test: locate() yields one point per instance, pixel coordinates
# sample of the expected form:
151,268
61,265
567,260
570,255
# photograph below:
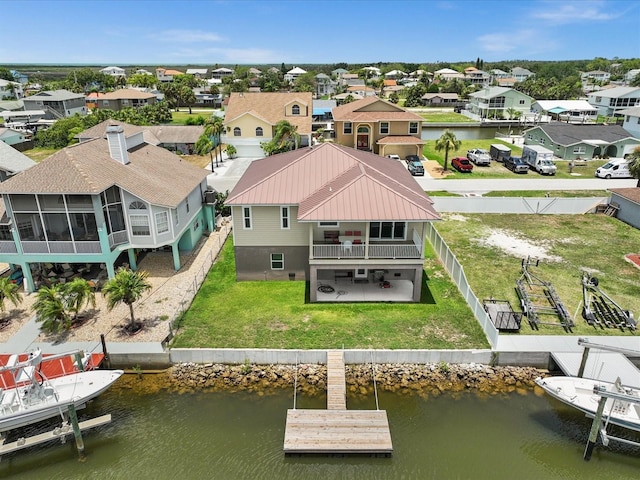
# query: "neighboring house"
571,142
362,90
175,138
91,100
573,111
477,77
338,72
322,118
204,98
11,105
100,202
506,82
346,215
124,98
521,74
294,73
378,126
10,90
11,136
114,71
165,75
595,76
324,85
497,74
349,79
610,101
57,103
142,71
372,72
221,73
446,74
198,72
631,120
628,200
440,99
250,119
11,160
495,101
631,74
254,72
395,75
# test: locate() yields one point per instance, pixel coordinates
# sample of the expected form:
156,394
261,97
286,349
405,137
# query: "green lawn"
180,118
579,241
230,314
530,193
444,117
497,169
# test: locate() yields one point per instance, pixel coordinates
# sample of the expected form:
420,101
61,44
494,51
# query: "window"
237,132
521,102
139,225
246,218
384,128
347,128
284,217
5,232
277,261
137,206
387,230
542,141
413,128
295,110
328,224
162,222
259,132
174,213
580,150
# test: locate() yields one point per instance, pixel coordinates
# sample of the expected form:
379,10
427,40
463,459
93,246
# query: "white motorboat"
581,393
31,397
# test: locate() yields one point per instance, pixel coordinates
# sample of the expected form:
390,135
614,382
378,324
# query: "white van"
617,168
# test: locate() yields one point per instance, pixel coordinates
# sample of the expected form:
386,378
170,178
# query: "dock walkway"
337,430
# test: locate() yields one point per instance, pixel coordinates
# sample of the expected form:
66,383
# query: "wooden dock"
337,430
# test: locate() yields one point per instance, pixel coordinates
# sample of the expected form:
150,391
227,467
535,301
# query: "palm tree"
213,127
203,146
126,287
634,164
51,310
9,291
286,135
77,293
446,142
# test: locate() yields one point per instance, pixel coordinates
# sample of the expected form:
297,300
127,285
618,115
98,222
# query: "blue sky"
120,32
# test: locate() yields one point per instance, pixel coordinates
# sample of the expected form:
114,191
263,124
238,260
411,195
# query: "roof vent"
117,144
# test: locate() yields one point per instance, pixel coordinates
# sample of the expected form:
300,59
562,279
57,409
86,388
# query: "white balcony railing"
117,238
389,251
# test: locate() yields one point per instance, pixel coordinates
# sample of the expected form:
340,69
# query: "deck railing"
390,251
7,246
117,238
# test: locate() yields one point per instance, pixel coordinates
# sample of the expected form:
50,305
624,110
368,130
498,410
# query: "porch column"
310,241
27,278
313,283
366,241
417,284
176,257
132,259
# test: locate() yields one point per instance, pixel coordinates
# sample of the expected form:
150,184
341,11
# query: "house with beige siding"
340,218
375,125
250,119
99,204
124,98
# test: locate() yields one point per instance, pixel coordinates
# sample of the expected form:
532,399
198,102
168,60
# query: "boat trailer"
531,288
600,310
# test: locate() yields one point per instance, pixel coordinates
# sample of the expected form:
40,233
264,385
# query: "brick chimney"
117,144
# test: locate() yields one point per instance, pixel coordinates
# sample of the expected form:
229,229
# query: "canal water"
157,434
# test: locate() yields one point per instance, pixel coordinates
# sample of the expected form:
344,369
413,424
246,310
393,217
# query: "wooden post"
73,418
104,350
595,426
583,362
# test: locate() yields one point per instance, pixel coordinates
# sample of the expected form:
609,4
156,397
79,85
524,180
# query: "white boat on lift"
32,397
581,393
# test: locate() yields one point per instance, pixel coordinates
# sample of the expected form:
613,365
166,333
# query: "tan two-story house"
375,125
343,219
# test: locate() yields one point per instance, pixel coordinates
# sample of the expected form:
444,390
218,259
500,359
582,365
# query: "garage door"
253,151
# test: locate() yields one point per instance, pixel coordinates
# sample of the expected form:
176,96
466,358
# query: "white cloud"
558,13
521,41
229,55
186,36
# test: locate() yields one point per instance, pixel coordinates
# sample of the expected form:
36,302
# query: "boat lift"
622,395
600,310
531,288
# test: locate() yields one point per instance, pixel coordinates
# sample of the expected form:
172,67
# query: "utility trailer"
600,310
502,315
538,297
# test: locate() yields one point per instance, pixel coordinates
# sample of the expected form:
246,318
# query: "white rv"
615,168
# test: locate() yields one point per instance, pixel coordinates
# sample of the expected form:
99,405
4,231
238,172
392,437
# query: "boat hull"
578,393
58,394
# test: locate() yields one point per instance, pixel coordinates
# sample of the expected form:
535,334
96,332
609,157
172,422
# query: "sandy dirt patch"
518,247
434,169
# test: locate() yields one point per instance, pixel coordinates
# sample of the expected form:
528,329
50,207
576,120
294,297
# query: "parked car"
462,164
616,168
516,165
415,166
479,156
412,158
393,156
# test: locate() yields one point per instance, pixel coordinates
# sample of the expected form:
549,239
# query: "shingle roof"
334,182
53,95
270,106
632,193
568,134
355,111
153,174
153,134
616,92
13,161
